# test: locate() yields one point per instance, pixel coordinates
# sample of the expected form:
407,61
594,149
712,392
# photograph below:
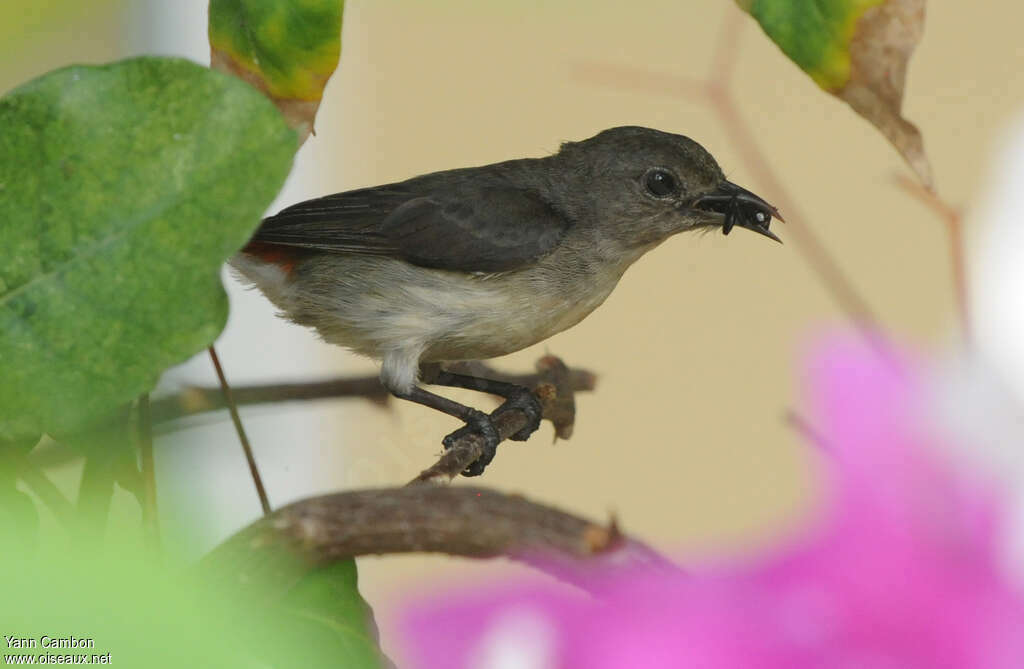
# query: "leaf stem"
150,517
953,219
246,447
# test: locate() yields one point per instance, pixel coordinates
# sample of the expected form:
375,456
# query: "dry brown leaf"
884,39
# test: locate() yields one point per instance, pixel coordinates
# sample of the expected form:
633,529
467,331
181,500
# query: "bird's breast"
504,313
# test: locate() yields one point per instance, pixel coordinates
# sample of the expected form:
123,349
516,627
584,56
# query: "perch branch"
462,521
197,399
553,385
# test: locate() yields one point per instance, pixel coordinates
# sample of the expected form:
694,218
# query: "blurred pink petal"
899,569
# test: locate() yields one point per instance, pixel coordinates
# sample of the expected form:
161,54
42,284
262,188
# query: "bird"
478,262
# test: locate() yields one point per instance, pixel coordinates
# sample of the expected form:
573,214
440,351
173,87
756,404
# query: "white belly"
404,315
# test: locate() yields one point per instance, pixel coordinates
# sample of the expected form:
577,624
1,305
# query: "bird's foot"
528,403
477,422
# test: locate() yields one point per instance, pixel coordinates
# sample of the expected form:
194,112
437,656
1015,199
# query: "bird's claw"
480,423
528,403
477,423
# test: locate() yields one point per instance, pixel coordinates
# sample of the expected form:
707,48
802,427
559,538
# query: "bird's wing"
493,228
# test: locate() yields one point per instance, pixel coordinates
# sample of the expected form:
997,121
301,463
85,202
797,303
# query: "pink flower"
901,567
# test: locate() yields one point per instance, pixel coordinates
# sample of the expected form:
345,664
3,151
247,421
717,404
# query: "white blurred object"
985,392
973,411
997,262
978,400
520,638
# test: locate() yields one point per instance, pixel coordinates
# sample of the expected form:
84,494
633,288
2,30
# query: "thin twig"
150,517
627,77
814,252
202,399
463,521
196,399
727,51
953,220
806,430
233,408
199,400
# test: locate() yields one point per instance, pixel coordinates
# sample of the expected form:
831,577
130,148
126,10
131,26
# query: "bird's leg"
516,397
476,421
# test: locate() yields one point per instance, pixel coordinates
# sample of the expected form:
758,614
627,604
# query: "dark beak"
740,208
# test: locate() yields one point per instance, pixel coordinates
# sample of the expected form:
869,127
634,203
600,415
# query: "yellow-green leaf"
286,48
857,50
122,190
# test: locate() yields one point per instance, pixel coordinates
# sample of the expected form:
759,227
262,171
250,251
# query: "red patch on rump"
282,256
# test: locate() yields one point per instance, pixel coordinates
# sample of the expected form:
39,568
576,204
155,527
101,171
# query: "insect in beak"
740,207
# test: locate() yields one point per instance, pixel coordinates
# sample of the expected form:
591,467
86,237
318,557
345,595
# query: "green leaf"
286,48
857,50
815,34
124,187
293,45
327,621
319,617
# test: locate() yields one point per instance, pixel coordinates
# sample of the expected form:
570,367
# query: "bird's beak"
740,208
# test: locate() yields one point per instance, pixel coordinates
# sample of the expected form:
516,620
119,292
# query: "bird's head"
639,186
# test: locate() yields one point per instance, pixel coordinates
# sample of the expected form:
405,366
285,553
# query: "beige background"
697,350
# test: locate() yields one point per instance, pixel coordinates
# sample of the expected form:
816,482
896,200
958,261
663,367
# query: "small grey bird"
479,262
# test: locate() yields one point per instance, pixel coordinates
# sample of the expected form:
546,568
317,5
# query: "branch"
553,385
201,399
953,220
462,521
470,522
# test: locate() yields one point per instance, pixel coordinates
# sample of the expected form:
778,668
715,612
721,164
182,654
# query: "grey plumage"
444,221
479,262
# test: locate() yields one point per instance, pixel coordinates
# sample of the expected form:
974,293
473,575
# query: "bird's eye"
661,183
